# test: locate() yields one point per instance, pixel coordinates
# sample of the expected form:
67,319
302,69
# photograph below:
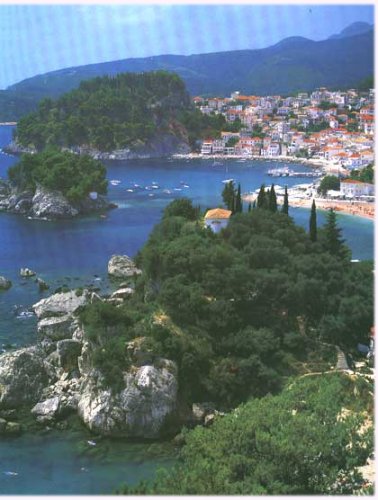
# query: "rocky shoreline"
56,379
46,204
160,146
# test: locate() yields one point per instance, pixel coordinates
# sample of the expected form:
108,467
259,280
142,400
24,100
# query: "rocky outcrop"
56,327
61,304
25,272
57,377
5,284
48,204
22,377
51,204
140,409
121,266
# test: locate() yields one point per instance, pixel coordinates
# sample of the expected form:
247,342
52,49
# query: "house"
353,188
217,219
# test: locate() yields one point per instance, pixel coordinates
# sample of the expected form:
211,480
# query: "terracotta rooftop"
218,213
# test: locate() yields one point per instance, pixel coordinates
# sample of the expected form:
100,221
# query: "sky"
35,39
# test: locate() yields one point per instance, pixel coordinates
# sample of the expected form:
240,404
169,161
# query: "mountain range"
294,64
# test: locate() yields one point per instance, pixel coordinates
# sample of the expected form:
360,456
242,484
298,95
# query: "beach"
357,208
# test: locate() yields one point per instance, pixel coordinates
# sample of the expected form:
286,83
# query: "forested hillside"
238,311
109,113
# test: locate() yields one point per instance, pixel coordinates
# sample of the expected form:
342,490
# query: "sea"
75,253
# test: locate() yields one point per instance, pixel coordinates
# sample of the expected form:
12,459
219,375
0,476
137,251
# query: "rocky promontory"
47,204
58,377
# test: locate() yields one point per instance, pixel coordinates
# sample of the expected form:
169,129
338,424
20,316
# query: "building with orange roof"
217,219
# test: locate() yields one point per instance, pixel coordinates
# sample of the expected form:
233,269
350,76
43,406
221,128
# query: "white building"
352,188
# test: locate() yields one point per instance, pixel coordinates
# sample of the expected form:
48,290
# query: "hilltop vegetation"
75,176
108,113
238,311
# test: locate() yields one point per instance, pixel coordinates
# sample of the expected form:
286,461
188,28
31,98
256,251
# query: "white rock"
60,304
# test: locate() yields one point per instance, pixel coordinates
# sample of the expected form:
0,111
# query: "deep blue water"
75,253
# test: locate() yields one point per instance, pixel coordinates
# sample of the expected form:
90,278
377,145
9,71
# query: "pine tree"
261,197
313,225
285,207
333,242
272,200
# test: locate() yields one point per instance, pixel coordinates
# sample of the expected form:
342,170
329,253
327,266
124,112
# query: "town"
334,126
332,130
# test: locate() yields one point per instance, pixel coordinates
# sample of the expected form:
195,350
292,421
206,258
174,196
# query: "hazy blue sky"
39,38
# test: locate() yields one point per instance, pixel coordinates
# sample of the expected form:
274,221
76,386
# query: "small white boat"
115,182
185,186
155,186
130,190
167,191
177,189
10,473
91,443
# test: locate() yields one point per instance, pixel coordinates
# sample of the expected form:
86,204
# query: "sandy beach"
357,208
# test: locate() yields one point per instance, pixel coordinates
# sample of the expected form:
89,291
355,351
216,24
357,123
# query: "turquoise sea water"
76,253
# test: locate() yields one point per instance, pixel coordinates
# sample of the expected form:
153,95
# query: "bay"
75,253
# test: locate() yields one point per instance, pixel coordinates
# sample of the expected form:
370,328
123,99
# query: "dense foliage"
75,176
108,112
241,310
295,443
365,174
329,182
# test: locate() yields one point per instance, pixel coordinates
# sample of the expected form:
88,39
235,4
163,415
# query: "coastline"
353,208
316,163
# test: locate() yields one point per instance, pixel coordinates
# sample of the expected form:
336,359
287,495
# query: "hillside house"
217,219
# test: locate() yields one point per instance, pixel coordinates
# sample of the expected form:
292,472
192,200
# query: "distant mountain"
293,64
352,30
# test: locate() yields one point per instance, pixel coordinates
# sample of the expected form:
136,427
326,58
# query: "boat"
91,443
177,189
115,182
241,160
130,190
10,473
167,191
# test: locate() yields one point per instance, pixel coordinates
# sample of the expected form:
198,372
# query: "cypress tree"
261,197
285,207
249,207
254,205
313,225
272,200
238,201
228,195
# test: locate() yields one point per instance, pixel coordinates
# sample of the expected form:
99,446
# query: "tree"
272,200
228,195
238,201
332,240
261,197
249,207
285,206
313,226
182,207
329,182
